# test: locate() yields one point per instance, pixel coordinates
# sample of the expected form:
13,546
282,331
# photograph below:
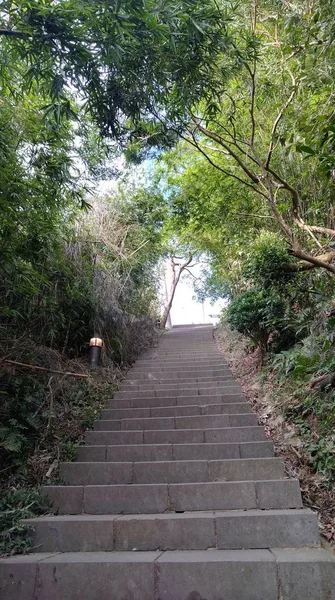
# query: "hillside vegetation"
217,119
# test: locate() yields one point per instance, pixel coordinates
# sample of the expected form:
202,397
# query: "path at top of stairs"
176,495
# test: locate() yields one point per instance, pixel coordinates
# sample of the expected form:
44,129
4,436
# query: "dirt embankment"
272,406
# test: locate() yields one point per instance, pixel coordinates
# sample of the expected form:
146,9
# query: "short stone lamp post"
94,353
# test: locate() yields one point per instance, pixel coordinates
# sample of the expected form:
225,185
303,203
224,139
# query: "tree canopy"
125,61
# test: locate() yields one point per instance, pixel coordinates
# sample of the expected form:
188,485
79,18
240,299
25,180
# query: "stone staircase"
176,495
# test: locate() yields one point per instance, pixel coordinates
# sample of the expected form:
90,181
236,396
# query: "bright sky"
185,309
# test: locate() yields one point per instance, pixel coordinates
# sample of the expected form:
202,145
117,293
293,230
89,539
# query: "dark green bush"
254,313
268,262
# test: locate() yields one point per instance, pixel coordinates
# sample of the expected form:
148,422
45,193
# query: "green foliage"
312,410
268,262
15,506
254,313
211,285
110,56
314,355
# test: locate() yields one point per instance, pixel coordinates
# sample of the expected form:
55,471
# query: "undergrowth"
16,536
292,391
43,418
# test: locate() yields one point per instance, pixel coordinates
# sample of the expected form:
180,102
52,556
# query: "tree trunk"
175,280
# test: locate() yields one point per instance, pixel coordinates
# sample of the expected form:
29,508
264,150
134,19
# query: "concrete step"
181,391
288,574
153,381
169,367
189,422
176,411
184,361
186,471
173,400
178,497
176,374
176,436
226,530
149,452
129,386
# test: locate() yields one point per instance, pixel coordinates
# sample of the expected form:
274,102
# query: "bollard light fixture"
94,353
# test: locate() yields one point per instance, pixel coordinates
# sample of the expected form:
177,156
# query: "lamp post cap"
95,341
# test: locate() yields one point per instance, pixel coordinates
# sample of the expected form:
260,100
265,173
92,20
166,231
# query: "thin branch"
295,204
13,33
252,105
302,225
190,272
217,138
36,368
216,166
276,123
253,80
242,214
279,218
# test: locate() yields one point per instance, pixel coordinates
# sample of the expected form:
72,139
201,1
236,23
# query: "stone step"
155,385
176,374
169,367
186,471
161,497
177,496
189,422
147,452
226,530
183,361
173,400
177,436
176,411
181,391
288,574
153,381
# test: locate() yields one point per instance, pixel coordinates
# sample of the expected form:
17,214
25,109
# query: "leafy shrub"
15,506
254,313
268,262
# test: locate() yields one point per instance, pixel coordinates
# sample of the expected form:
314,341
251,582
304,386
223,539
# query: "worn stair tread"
162,497
175,385
145,452
108,473
172,531
176,411
155,402
185,391
166,381
162,436
172,575
179,422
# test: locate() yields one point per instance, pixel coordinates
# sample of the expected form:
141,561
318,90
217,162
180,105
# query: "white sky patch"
185,308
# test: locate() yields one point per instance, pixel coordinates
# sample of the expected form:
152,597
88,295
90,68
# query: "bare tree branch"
275,126
13,33
242,214
324,230
216,166
217,138
322,261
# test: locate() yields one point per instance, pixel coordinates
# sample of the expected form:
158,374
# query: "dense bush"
254,313
268,263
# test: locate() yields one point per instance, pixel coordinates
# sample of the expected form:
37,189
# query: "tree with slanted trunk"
177,267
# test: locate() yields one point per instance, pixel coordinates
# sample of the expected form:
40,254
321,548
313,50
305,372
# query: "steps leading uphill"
176,495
